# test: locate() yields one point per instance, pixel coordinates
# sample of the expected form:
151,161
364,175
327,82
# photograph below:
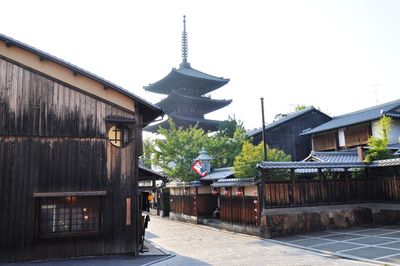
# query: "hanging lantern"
214,191
150,197
226,191
239,191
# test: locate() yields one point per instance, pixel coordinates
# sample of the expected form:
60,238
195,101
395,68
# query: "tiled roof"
235,182
327,165
219,173
173,184
186,77
333,156
145,173
282,120
357,117
189,71
81,71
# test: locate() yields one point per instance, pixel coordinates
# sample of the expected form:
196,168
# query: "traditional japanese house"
186,88
284,134
69,147
151,185
354,129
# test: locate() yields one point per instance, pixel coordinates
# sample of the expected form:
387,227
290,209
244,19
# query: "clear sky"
340,56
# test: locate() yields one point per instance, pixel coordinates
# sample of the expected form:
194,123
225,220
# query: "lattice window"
67,215
119,135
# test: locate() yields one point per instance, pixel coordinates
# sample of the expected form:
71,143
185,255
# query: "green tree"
245,163
228,127
379,145
223,149
148,150
300,107
178,147
175,152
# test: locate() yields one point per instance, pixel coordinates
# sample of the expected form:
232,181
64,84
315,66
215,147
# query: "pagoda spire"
184,45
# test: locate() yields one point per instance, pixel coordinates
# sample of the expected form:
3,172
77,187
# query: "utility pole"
263,129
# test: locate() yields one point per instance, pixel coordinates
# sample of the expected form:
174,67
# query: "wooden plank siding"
356,136
239,210
206,205
337,191
53,139
325,141
183,204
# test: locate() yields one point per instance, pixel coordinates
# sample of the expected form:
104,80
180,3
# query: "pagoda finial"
184,44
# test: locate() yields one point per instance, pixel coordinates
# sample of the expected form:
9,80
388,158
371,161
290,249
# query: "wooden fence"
183,204
337,191
202,205
239,210
206,204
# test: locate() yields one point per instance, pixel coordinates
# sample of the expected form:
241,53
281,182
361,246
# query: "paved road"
201,245
375,244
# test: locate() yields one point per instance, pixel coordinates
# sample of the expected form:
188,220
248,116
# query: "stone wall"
290,221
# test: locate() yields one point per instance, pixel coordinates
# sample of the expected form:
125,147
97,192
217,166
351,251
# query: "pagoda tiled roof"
204,104
185,121
188,78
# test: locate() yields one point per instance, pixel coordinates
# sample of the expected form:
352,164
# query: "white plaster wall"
394,136
250,191
342,141
204,190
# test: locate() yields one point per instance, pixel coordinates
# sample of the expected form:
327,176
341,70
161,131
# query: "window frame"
41,201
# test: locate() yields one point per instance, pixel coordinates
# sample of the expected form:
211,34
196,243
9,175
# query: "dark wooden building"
69,147
186,87
284,134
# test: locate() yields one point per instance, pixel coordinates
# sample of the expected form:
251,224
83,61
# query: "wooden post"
292,191
323,194
346,175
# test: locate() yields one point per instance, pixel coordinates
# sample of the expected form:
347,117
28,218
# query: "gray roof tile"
333,156
219,173
281,121
357,117
235,182
327,165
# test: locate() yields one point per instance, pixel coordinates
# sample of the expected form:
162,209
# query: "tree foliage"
148,150
178,147
245,163
229,127
175,152
300,107
379,144
297,108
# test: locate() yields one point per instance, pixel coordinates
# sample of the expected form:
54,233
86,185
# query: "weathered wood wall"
326,141
53,138
359,135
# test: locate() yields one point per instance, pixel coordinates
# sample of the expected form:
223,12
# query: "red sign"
198,168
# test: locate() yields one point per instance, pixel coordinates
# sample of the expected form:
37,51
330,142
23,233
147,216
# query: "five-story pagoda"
186,103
